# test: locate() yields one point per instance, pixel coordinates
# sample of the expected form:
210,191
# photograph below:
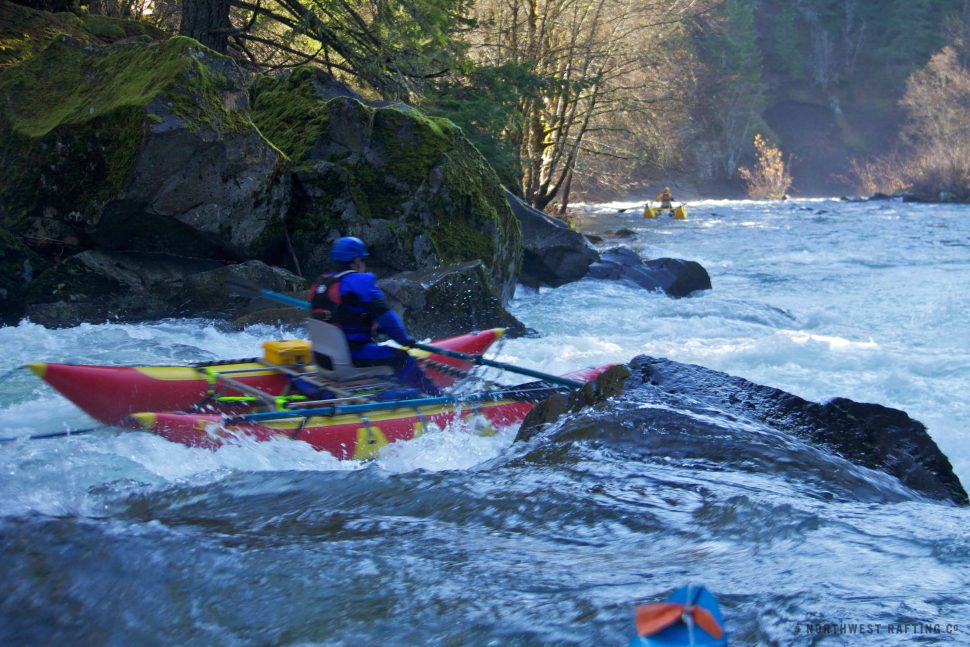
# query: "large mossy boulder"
410,185
134,164
138,146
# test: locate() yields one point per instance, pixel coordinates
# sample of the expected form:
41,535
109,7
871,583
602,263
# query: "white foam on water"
458,446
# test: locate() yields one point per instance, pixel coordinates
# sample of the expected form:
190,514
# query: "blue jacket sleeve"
391,325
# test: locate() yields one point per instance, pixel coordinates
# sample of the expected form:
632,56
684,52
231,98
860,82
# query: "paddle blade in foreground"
689,616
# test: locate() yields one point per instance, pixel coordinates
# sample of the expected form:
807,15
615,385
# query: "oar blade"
706,621
654,618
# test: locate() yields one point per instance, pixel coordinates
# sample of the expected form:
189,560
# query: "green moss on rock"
387,151
73,119
474,203
70,84
289,113
359,163
25,31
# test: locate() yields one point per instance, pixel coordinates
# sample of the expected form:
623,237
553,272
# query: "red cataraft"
211,404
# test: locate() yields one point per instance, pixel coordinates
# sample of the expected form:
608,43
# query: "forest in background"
600,98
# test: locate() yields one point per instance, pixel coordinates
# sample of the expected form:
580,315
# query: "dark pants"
406,370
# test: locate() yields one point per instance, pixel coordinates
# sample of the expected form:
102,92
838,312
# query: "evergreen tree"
732,86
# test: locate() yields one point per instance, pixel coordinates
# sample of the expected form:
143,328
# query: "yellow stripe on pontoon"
177,373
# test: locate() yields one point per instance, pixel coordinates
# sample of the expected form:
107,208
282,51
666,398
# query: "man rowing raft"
350,299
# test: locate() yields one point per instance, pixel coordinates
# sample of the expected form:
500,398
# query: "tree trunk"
564,194
207,21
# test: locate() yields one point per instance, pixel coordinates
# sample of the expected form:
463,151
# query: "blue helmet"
348,248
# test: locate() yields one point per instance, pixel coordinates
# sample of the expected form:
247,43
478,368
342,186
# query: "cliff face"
821,79
133,164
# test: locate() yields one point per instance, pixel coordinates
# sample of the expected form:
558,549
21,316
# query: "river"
119,538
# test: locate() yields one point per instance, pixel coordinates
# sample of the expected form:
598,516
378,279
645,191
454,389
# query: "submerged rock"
674,413
672,276
870,435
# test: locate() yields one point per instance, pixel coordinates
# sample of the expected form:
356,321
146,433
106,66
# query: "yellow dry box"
288,352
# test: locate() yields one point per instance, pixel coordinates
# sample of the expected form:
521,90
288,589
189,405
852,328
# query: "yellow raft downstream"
677,210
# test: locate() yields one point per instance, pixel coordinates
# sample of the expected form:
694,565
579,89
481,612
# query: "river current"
120,538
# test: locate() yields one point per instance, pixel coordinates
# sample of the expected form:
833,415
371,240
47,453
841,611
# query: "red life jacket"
327,304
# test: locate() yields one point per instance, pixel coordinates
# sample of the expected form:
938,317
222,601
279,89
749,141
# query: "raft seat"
328,343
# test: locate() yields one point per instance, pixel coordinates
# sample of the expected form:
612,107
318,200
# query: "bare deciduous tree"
609,73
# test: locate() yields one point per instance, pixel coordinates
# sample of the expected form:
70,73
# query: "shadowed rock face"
137,147
553,254
96,286
670,410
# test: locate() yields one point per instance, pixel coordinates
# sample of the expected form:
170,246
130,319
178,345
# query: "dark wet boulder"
448,301
672,276
96,286
670,413
869,435
553,254
18,266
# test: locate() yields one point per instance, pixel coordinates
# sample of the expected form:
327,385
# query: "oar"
673,205
478,359
537,393
246,288
57,434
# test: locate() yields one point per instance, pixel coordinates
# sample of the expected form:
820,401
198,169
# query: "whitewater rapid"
821,298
